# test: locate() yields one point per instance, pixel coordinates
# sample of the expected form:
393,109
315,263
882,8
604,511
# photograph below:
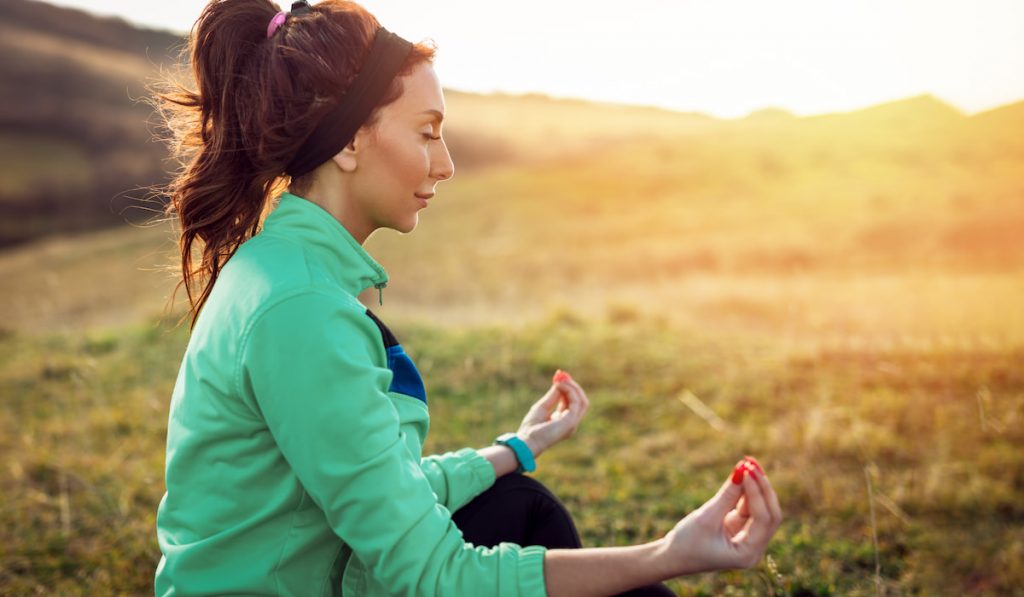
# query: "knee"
516,483
551,524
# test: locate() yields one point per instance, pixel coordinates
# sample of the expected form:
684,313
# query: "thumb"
549,400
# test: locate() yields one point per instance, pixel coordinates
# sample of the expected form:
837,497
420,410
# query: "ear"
348,158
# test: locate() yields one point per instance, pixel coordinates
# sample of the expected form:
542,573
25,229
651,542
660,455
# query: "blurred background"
793,229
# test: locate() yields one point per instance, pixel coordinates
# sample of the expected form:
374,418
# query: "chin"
408,226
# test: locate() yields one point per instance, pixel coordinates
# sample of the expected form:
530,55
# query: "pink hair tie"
276,22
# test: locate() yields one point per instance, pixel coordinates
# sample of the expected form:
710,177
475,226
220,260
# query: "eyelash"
427,135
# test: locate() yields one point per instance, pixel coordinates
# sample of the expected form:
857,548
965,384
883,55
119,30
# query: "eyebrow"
435,113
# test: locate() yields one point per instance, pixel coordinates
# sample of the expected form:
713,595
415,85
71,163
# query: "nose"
442,165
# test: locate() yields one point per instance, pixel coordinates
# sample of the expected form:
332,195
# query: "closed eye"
428,136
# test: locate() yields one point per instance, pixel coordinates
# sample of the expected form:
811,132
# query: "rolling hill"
78,148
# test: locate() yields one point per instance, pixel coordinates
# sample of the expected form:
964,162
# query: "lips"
424,195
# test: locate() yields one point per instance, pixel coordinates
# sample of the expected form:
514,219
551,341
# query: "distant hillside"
77,145
1003,126
72,24
74,144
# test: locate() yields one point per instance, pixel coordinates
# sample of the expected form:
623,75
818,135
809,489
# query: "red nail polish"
737,473
559,376
754,461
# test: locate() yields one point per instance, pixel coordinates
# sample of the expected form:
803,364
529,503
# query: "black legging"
520,509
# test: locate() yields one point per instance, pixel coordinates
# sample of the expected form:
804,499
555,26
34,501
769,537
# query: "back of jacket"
295,434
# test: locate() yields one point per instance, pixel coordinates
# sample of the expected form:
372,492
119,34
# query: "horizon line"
767,108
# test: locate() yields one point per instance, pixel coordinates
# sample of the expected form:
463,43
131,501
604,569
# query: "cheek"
408,161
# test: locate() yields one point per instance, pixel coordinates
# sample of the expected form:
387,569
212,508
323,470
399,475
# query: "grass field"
845,301
935,429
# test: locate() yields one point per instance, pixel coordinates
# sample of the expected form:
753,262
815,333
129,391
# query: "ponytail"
254,102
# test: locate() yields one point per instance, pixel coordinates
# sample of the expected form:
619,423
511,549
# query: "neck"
334,199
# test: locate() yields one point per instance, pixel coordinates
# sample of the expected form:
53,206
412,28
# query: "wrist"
531,442
523,452
678,556
666,561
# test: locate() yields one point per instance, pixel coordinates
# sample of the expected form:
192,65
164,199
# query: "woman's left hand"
556,416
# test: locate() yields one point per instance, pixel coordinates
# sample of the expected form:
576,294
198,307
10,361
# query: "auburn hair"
247,105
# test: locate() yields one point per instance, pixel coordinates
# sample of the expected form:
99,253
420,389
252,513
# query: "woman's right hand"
731,530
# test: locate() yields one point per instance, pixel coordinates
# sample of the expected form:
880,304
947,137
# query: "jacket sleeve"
458,477
314,366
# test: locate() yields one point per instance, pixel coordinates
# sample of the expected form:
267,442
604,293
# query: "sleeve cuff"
482,469
531,571
477,475
464,474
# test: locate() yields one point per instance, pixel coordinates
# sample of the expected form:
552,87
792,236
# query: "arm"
503,459
593,571
731,530
315,368
457,477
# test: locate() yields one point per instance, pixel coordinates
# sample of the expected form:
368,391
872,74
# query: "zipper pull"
380,292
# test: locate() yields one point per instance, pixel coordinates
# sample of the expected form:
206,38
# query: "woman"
297,420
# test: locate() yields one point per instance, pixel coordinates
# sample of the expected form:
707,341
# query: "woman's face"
398,167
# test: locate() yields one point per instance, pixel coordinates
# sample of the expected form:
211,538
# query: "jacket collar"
303,221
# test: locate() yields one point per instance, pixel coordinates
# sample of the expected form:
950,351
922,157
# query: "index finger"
766,488
770,498
572,389
574,384
577,402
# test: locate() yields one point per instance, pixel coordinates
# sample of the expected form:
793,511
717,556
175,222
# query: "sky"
726,58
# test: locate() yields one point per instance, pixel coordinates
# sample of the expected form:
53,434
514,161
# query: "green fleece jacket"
295,436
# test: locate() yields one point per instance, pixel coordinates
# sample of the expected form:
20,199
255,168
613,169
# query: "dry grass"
84,426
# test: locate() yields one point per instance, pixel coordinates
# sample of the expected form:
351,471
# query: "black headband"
339,126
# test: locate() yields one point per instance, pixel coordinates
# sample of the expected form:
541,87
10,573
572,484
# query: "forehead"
421,91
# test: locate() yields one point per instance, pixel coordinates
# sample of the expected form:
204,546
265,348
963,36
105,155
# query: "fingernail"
752,469
737,473
754,461
559,376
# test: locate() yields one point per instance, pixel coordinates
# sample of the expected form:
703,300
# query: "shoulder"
312,313
265,265
270,275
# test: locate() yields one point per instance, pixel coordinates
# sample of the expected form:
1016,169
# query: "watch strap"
523,453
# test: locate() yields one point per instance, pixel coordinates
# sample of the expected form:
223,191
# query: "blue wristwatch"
523,453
